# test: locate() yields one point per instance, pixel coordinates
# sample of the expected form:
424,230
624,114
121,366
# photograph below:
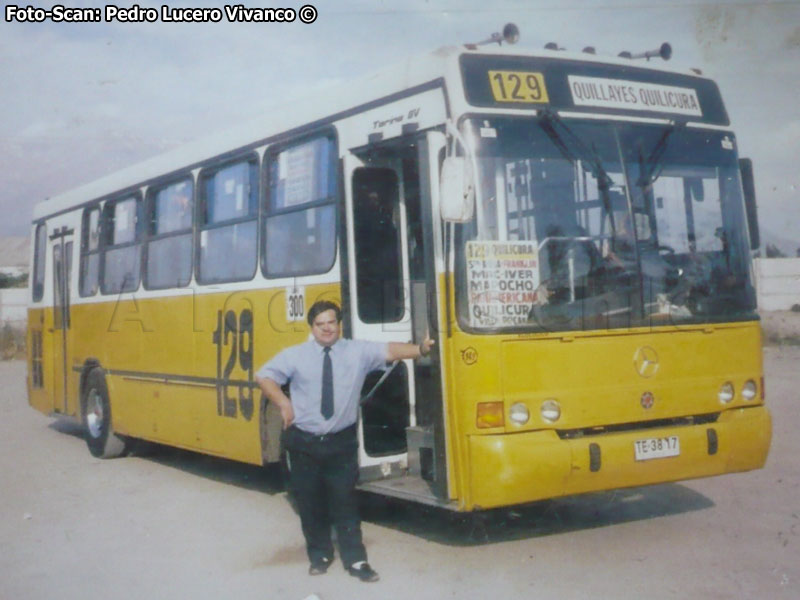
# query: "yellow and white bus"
573,230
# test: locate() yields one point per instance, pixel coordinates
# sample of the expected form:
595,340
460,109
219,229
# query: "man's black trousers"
323,476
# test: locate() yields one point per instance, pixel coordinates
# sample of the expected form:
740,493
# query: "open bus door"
379,306
389,294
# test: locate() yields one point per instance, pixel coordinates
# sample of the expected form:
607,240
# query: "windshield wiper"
652,166
548,121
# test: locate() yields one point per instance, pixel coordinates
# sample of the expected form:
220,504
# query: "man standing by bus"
326,375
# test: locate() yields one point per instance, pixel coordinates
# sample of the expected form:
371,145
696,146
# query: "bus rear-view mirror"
456,190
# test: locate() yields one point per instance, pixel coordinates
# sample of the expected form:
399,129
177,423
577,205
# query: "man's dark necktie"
326,408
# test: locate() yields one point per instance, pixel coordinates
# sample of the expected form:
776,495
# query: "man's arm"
398,351
273,391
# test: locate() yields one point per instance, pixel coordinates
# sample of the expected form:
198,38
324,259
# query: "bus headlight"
725,393
749,390
519,413
551,411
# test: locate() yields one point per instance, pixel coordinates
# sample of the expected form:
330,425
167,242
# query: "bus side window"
90,251
300,227
170,211
227,248
39,259
122,233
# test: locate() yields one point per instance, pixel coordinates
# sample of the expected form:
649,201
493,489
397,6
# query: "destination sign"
531,83
633,95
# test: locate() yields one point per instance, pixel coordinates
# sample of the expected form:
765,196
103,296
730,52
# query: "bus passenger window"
300,228
169,244
39,260
90,251
228,222
121,254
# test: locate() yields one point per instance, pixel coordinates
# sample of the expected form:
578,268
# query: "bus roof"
440,65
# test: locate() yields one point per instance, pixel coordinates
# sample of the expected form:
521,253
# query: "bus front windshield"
591,225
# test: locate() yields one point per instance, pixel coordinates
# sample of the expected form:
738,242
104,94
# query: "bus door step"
408,487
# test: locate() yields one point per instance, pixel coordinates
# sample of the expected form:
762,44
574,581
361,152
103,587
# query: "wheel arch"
88,366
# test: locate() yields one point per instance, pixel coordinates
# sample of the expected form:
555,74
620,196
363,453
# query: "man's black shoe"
320,567
364,572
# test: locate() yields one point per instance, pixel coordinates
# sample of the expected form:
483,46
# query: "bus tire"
96,411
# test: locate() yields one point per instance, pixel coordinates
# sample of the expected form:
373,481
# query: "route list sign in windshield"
502,278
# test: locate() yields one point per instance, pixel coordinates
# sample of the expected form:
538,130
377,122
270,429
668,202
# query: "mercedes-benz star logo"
645,361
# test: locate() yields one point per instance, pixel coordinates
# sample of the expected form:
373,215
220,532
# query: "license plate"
657,447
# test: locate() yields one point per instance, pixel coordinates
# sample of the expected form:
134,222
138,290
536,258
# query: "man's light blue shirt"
301,366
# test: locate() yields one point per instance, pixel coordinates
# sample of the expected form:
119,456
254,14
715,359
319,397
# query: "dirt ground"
781,327
177,525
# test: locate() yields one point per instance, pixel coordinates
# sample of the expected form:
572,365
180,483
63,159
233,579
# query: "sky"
81,100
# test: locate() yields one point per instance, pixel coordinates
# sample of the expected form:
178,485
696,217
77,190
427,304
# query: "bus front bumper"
515,468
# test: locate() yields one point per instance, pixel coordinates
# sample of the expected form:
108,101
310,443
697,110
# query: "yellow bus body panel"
40,397
161,361
595,377
517,468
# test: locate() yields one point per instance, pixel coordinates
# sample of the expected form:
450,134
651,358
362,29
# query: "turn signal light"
490,414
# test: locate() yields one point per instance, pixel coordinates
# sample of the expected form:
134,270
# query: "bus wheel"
100,436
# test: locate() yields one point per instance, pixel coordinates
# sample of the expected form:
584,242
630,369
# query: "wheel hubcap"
94,413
